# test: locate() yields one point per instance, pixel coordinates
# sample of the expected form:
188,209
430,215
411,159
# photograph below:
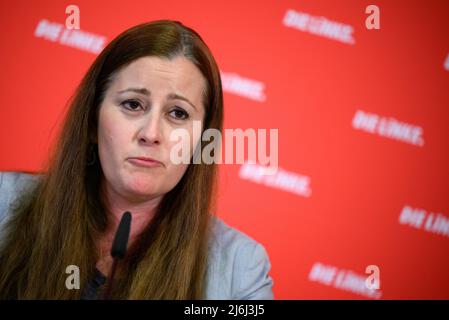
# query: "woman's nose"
150,132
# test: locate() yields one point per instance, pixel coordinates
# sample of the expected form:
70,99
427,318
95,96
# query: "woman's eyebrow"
143,91
170,96
174,96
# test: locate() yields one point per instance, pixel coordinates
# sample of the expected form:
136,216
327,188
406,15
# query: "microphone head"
120,243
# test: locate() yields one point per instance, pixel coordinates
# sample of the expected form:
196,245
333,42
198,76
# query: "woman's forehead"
178,73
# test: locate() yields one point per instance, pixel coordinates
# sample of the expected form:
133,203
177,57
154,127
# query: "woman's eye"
179,114
132,105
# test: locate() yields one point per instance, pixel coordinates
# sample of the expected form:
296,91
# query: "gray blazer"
238,266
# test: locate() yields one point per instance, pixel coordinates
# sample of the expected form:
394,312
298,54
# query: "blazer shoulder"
11,181
12,184
239,265
226,236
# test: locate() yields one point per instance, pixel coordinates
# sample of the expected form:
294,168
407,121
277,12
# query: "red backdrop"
362,117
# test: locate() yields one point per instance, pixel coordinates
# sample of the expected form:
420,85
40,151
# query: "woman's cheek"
175,173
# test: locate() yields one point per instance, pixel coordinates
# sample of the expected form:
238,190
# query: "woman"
114,155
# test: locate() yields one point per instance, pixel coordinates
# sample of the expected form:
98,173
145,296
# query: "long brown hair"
56,223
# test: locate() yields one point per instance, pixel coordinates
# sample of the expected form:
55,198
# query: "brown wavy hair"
57,222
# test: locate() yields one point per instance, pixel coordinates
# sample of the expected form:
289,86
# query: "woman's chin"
143,189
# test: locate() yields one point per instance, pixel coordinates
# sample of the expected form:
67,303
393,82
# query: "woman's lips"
145,162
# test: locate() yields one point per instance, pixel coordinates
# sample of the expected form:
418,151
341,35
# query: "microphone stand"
118,249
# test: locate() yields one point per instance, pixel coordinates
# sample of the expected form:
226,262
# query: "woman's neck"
142,211
115,205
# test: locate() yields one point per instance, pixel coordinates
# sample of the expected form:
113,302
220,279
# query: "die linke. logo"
319,26
433,222
388,127
244,87
282,179
80,39
367,285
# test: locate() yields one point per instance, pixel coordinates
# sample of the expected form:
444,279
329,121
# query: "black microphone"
118,249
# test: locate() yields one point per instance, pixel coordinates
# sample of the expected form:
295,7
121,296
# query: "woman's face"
145,102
